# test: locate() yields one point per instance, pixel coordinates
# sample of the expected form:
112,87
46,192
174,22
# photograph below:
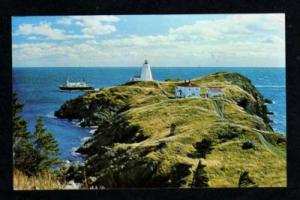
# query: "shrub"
203,147
172,129
229,132
178,174
248,145
281,140
227,135
246,181
161,145
243,103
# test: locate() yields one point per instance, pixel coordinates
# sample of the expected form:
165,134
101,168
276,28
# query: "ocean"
37,89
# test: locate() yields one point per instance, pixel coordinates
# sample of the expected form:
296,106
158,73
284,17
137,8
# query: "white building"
145,75
187,89
215,91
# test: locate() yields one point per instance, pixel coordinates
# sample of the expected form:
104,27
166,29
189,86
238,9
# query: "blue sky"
244,40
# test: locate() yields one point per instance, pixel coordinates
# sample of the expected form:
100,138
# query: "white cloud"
65,21
142,41
33,38
96,18
92,25
46,30
241,27
92,42
42,29
236,40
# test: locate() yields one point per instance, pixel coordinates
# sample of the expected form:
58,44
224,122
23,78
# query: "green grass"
193,120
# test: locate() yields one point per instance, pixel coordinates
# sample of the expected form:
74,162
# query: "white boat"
76,86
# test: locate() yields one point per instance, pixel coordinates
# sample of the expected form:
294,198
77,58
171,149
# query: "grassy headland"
146,139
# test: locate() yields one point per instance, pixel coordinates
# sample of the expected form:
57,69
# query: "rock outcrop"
145,139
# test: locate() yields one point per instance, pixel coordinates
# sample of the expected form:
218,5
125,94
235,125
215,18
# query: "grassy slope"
194,119
42,182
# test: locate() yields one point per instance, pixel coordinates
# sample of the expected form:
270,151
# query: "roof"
187,84
215,89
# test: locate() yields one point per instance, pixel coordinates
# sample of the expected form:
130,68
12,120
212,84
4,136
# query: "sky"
220,40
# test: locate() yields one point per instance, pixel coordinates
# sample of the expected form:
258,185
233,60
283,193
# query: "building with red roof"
187,89
215,91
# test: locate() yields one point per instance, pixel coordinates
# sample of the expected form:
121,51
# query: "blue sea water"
37,89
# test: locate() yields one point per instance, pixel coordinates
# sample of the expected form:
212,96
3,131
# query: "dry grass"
194,120
225,164
40,182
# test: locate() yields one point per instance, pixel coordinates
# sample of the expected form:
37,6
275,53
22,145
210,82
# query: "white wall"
146,74
187,91
211,94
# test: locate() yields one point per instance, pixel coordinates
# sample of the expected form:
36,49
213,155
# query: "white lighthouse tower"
145,75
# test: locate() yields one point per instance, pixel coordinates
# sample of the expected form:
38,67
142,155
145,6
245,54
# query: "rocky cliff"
146,139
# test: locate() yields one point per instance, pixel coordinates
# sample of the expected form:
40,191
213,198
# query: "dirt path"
262,139
169,95
218,110
267,144
270,147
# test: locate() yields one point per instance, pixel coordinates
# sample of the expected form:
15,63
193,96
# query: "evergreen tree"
45,147
36,152
200,177
23,152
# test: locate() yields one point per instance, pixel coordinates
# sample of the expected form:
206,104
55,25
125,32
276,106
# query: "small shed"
215,91
136,78
187,89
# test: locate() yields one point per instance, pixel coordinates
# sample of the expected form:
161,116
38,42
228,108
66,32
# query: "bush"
280,140
243,103
229,132
227,135
248,145
161,145
179,172
172,129
203,147
246,181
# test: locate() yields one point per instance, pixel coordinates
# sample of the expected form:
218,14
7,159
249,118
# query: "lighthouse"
145,75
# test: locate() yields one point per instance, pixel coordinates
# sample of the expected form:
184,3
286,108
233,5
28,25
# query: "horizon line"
151,66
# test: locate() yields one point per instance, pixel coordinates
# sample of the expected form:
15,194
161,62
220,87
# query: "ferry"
76,86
